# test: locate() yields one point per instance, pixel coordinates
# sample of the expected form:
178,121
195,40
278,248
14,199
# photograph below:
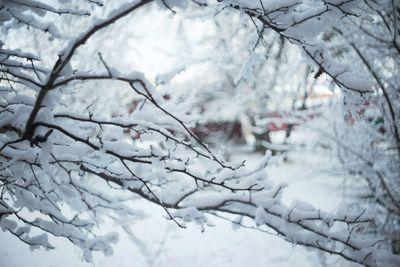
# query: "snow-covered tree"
67,160
264,77
367,127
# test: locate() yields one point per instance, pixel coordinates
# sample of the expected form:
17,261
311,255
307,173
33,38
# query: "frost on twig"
73,164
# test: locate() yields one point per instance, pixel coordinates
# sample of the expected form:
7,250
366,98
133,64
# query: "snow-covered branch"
65,161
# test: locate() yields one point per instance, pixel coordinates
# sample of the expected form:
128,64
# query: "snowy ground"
164,244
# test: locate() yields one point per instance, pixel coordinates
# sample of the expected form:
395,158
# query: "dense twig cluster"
49,151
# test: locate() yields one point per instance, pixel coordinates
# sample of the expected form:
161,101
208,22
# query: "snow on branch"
58,154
